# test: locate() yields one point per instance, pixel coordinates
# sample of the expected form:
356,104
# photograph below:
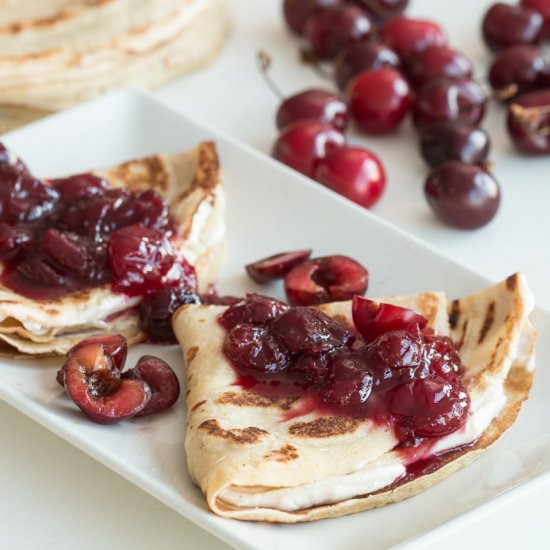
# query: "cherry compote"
401,373
64,235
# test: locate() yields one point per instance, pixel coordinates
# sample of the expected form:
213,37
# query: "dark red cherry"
303,143
384,9
505,25
430,407
543,7
359,57
408,37
378,100
11,163
13,240
308,331
255,349
296,12
255,309
156,309
320,105
462,195
313,368
446,99
372,319
24,199
328,279
162,380
396,350
139,258
81,186
451,141
524,66
349,381
355,173
437,61
529,122
328,31
276,266
441,357
69,251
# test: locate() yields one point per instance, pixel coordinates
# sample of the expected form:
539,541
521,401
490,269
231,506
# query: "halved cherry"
162,380
276,266
92,381
327,279
114,345
372,319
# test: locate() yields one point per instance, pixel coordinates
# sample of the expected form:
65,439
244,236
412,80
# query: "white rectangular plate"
270,209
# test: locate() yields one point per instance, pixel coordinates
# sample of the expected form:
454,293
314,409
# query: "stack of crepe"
54,53
191,185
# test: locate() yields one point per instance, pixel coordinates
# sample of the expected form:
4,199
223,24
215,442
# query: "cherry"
157,308
529,122
348,382
451,141
431,407
437,61
276,266
379,100
355,173
12,240
441,357
214,299
523,66
327,279
37,268
114,345
320,105
296,12
140,258
24,199
385,9
396,349
68,250
308,331
543,7
372,319
11,163
505,25
446,99
81,186
93,383
359,57
255,309
408,37
329,30
313,368
302,144
162,380
462,195
254,348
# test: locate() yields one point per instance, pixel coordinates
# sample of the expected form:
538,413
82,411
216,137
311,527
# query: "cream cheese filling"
381,473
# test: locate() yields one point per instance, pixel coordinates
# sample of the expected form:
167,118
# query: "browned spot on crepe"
198,405
454,313
141,175
287,453
430,307
487,322
252,399
191,354
511,282
462,338
328,426
207,172
248,435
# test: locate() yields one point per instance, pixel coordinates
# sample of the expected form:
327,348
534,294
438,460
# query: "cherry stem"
309,58
505,93
264,61
532,116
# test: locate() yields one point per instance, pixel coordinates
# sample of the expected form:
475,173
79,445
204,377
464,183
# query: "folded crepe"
255,459
54,53
190,183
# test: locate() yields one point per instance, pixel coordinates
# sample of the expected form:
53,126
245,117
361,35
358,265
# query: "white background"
54,496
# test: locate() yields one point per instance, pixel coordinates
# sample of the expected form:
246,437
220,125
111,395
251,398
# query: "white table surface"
54,496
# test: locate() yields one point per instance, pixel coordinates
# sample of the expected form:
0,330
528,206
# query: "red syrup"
406,379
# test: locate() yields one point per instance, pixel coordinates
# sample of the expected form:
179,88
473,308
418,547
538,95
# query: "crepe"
256,460
54,53
191,185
